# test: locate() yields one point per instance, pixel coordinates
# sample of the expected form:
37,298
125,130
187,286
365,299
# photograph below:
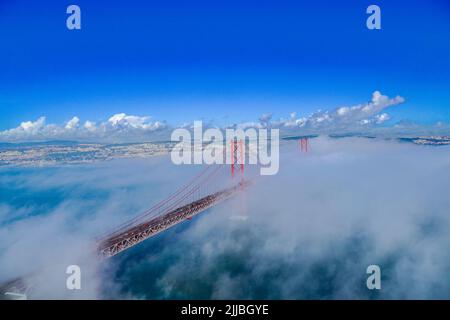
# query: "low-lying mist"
310,231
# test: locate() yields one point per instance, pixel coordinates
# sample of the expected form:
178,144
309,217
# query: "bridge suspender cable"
154,210
158,205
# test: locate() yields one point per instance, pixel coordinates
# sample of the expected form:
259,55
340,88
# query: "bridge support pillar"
237,157
304,145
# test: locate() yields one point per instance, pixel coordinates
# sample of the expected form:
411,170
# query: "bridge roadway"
13,289
134,235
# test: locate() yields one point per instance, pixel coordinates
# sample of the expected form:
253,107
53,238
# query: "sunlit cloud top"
371,116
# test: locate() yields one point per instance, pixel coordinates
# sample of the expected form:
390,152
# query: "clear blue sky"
225,60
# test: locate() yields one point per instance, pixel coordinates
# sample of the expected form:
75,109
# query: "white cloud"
342,119
382,117
378,119
293,121
121,119
347,117
73,123
90,126
30,126
119,127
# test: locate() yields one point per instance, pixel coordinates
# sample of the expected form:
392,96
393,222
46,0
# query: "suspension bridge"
202,192
199,194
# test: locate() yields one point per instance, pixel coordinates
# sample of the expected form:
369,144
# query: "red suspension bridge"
193,198
201,193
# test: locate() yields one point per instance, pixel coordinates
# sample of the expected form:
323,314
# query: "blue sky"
225,60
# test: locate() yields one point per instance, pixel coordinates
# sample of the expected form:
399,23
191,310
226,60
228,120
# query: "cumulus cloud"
90,126
378,119
350,115
361,118
132,128
73,123
27,128
293,121
124,121
343,119
119,127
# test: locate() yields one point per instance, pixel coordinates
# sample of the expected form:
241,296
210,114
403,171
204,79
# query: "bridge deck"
136,234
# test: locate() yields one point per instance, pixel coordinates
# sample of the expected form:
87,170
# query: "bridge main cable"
148,212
